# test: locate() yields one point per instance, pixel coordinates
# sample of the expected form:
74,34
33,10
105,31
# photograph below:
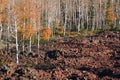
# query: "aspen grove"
28,22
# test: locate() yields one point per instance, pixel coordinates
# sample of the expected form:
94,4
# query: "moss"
59,31
3,63
27,64
72,34
115,29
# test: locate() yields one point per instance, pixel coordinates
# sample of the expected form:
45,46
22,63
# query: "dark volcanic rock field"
94,57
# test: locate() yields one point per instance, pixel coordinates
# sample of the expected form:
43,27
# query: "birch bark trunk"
1,29
16,35
65,24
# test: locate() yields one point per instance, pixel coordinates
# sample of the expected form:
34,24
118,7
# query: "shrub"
59,30
45,33
72,34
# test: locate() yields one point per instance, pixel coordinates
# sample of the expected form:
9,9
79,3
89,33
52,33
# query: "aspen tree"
66,12
16,35
79,15
8,27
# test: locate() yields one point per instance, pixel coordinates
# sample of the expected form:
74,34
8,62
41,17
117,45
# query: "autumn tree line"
30,21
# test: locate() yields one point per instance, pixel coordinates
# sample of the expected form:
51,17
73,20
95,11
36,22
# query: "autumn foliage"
45,33
3,18
30,31
27,32
3,13
59,30
110,17
110,14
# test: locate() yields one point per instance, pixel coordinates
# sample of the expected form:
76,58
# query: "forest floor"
94,57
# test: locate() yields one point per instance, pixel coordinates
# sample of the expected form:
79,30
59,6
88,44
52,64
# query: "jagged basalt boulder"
54,54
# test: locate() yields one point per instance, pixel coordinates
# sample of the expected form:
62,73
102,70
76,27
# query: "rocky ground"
94,57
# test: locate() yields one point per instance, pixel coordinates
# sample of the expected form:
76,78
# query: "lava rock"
53,54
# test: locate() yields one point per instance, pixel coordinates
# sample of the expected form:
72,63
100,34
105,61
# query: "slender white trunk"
105,15
8,28
97,18
16,35
1,29
38,26
46,13
65,24
93,23
16,42
82,14
23,36
79,19
8,37
31,20
116,12
100,16
30,44
87,18
38,44
23,39
38,34
75,15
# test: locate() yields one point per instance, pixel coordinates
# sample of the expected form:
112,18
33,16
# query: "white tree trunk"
16,42
65,24
79,19
1,29
23,39
100,16
16,35
30,44
87,18
23,36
